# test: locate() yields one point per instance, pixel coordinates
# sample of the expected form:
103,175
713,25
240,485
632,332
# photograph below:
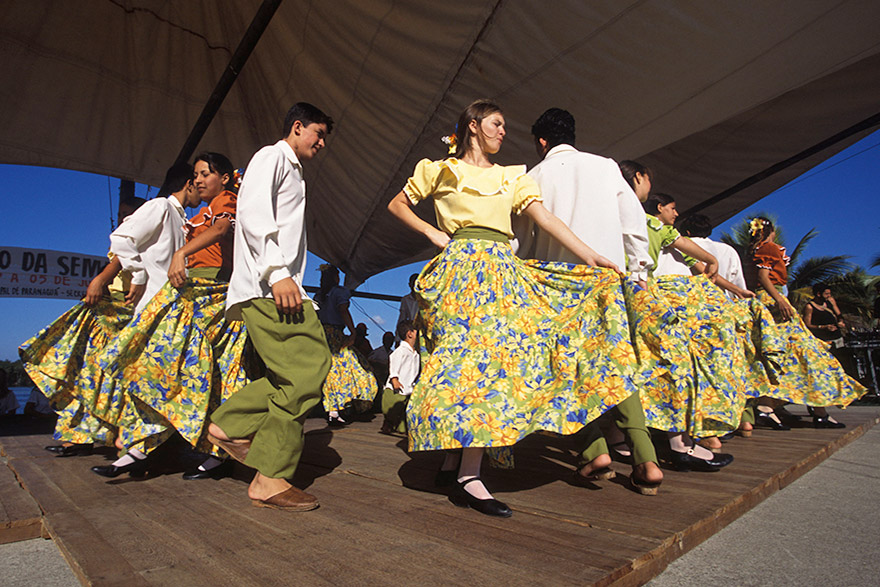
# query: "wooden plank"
20,516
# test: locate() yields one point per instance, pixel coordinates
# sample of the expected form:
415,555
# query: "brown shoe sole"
289,500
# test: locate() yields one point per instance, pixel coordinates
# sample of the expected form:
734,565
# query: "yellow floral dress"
515,346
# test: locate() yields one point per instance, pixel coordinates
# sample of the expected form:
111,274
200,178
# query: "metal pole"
230,74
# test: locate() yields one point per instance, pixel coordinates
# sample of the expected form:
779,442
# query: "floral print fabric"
179,358
347,382
515,347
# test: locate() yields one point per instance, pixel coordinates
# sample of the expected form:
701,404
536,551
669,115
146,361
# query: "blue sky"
71,211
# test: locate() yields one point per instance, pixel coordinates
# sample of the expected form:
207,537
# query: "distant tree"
16,375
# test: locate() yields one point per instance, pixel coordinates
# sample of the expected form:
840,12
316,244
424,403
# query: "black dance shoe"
491,507
445,478
770,420
336,421
74,450
826,422
135,469
222,470
55,448
685,461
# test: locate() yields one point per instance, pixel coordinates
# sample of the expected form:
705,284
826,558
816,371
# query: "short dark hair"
696,225
556,126
403,327
306,114
654,201
175,178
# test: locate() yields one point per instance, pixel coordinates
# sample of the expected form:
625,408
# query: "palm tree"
801,277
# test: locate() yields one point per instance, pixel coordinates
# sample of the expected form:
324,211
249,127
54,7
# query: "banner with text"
40,273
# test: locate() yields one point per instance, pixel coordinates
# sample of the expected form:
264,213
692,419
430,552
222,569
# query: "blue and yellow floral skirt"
806,372
62,362
699,383
515,347
179,359
347,384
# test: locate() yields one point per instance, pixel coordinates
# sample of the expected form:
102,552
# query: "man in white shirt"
698,228
590,195
262,425
403,370
146,240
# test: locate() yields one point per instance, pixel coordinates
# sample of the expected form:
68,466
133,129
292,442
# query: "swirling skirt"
699,378
62,361
347,383
516,347
178,360
805,371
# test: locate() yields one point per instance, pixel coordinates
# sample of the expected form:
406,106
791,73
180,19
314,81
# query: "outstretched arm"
690,248
562,233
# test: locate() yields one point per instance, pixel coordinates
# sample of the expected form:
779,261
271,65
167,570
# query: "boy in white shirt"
146,240
262,424
403,370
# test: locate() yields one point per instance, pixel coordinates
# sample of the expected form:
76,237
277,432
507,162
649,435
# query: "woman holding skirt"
515,346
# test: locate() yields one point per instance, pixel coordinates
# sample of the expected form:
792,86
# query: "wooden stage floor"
381,521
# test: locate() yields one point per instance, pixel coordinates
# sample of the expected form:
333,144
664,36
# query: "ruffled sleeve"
423,182
525,192
223,206
666,234
766,256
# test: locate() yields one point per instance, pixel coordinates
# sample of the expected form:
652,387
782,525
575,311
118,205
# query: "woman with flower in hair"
515,346
179,357
808,373
347,384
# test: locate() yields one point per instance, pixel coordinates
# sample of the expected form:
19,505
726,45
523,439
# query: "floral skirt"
515,347
806,372
347,383
178,360
700,387
62,362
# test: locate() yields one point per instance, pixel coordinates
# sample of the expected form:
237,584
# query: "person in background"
37,406
403,371
8,402
409,304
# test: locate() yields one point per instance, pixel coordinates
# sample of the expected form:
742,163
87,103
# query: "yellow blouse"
466,195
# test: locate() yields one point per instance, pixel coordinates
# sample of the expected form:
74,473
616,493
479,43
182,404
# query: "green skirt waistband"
215,273
482,233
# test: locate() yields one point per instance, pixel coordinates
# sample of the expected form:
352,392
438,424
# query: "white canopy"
717,97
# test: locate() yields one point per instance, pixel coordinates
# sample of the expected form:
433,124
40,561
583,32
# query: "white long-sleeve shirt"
270,233
589,194
403,364
145,242
729,263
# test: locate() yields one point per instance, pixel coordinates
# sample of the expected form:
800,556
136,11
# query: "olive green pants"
394,409
273,409
630,418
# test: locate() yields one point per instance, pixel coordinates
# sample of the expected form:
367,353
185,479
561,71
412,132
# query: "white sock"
685,444
129,457
475,488
333,414
210,463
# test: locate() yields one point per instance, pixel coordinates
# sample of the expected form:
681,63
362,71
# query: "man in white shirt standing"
146,239
262,425
590,195
698,228
403,370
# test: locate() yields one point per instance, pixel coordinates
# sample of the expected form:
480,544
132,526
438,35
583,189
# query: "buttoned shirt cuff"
276,275
138,277
640,275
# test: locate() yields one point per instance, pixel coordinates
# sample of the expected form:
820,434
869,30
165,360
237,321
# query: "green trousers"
394,408
630,418
272,410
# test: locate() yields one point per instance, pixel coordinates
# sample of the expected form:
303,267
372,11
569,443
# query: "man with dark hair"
262,424
590,195
697,227
403,370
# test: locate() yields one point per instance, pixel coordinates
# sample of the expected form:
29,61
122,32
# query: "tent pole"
256,29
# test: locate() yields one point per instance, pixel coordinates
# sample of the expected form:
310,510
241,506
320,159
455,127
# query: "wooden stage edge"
379,507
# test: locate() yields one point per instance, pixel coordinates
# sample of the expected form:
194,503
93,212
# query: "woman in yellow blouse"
516,346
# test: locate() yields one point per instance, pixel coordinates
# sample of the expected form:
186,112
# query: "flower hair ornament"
756,225
451,141
236,178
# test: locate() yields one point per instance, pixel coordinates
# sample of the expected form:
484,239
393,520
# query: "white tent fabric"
708,93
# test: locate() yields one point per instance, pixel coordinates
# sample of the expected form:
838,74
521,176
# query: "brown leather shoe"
292,499
237,449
